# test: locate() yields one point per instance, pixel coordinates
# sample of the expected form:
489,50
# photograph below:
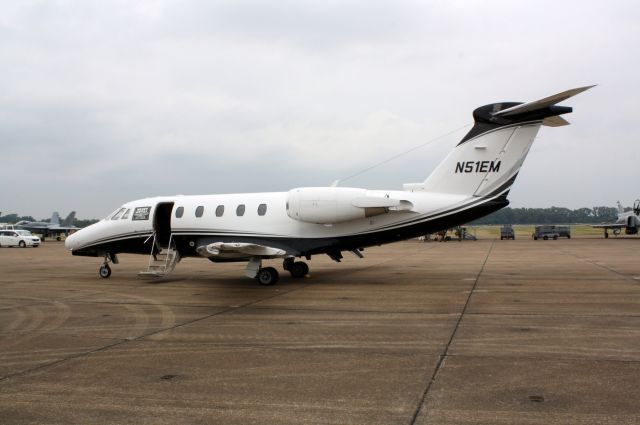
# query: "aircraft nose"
71,242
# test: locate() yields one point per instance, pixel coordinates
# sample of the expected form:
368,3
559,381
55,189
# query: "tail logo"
478,167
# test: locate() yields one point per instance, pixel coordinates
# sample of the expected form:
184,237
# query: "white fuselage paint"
274,223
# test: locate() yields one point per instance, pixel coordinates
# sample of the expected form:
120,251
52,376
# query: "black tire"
287,263
22,244
104,271
267,276
555,238
545,237
568,236
299,269
535,238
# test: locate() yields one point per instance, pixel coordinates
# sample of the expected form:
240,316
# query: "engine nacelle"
329,205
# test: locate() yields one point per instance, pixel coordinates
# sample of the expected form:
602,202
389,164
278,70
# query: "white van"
21,238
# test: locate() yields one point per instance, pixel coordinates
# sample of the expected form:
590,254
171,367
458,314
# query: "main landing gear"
105,270
298,269
270,276
267,276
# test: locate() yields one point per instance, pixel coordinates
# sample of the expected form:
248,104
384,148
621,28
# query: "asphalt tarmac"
484,332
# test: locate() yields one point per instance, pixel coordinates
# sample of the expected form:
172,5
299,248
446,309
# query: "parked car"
506,232
21,238
545,232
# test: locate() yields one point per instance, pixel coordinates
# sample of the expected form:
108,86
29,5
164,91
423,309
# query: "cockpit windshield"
114,215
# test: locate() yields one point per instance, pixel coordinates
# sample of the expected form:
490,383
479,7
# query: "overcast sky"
103,102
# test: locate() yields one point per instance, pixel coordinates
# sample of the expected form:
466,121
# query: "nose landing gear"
105,271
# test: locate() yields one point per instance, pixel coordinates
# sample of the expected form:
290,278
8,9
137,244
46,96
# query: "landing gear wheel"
267,276
105,271
287,263
22,244
299,269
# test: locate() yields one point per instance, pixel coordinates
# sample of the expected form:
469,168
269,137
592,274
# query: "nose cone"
71,242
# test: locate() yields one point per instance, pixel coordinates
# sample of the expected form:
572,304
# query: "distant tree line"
14,218
553,215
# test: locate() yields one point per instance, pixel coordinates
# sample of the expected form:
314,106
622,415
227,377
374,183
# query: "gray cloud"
103,102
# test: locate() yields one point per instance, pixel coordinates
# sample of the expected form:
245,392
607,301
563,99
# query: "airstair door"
162,223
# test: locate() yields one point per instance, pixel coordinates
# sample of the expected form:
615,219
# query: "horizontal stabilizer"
542,103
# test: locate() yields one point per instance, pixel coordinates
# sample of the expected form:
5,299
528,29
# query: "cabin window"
199,211
219,210
117,214
240,210
126,214
262,209
179,212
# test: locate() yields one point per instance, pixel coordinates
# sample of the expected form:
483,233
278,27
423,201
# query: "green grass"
525,231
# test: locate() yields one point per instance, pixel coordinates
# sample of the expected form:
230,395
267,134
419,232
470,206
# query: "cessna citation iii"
472,181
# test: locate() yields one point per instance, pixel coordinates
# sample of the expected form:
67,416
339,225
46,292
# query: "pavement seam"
445,354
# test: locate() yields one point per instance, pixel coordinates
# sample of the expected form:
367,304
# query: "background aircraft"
629,221
51,228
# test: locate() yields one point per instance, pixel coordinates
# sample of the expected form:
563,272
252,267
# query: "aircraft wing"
62,228
609,226
231,250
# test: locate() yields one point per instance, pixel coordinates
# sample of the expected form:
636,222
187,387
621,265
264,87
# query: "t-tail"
487,160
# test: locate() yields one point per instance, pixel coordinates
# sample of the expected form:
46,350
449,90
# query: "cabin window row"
240,210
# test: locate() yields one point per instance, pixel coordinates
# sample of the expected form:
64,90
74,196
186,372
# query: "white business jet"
472,181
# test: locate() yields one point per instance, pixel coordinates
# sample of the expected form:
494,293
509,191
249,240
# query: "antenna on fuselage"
442,136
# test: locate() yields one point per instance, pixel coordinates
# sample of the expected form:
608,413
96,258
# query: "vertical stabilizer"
69,220
55,218
487,160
